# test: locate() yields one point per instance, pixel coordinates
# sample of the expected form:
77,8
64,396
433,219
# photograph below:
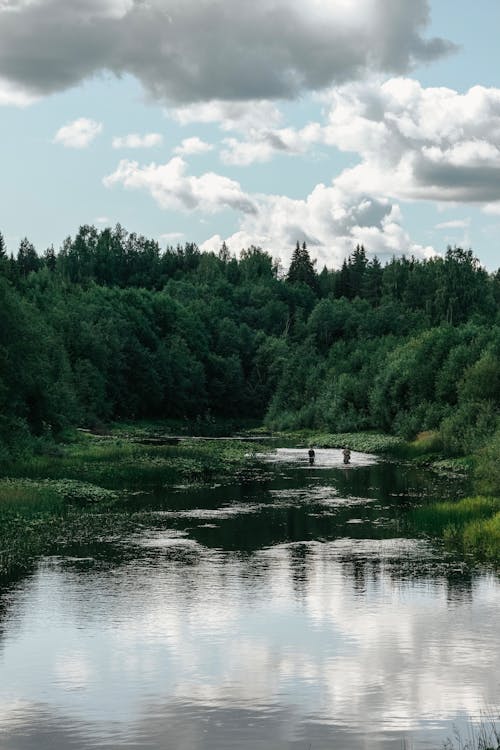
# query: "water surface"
293,610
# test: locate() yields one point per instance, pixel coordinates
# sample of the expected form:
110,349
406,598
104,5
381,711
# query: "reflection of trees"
362,572
302,563
459,586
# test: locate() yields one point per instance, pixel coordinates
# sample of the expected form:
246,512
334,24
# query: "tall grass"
472,524
439,516
483,538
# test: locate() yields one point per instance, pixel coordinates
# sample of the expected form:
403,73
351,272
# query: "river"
291,610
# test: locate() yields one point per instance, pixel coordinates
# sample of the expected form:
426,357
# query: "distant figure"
311,455
347,455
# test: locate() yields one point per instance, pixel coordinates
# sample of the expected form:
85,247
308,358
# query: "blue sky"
333,121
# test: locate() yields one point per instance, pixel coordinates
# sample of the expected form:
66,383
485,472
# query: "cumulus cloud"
419,143
193,145
198,51
172,188
134,140
78,134
413,143
264,143
230,115
330,221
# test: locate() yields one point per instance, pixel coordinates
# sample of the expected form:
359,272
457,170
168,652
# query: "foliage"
487,467
112,327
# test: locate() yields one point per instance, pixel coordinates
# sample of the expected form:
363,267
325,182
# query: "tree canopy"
110,326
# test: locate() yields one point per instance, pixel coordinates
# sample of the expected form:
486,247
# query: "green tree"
302,268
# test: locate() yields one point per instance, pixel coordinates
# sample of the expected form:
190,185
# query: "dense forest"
112,327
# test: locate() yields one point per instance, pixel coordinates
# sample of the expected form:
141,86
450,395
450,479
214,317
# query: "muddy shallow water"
297,609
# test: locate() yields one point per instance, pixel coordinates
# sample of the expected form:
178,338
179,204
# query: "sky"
334,122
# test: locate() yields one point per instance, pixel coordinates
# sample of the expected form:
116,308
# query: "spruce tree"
302,268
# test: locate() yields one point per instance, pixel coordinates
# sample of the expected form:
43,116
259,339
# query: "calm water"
288,611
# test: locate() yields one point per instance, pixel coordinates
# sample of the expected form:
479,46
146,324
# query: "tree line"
112,327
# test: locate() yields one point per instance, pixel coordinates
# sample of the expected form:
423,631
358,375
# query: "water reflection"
283,626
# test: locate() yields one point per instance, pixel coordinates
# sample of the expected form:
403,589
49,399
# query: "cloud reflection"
325,643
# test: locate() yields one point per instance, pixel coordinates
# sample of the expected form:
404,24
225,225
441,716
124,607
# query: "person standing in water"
347,455
311,455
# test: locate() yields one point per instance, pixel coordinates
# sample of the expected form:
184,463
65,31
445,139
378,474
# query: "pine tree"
50,258
371,285
357,267
224,254
343,288
302,268
27,259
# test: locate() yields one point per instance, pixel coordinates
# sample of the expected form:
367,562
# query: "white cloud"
78,134
264,143
267,49
418,143
103,220
193,145
413,143
134,140
230,115
173,188
454,224
330,221
244,153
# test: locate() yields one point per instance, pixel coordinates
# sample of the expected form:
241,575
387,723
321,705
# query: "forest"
111,327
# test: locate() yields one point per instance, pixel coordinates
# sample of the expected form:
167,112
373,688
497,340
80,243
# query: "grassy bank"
471,524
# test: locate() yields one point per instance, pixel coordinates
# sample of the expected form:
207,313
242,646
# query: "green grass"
471,524
27,498
482,538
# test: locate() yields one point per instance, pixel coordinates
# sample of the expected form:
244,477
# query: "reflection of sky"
292,643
